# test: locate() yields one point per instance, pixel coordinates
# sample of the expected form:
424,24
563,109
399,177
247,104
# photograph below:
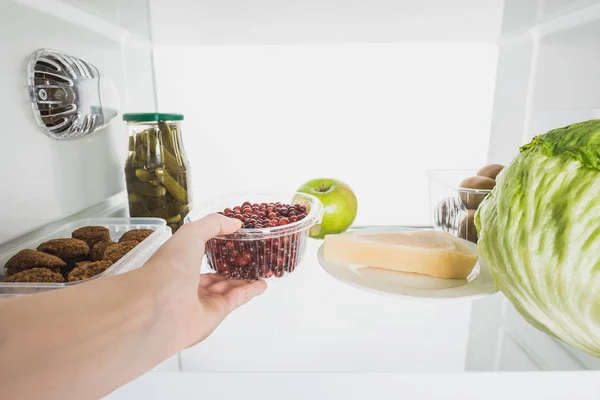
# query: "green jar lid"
150,117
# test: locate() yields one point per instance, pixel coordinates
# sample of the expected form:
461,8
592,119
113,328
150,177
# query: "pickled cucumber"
167,212
168,134
152,203
149,140
169,161
174,220
135,198
148,189
178,192
145,158
145,176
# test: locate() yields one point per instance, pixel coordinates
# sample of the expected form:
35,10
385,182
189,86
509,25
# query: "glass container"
157,170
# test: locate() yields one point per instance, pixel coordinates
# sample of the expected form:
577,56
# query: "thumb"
190,239
208,227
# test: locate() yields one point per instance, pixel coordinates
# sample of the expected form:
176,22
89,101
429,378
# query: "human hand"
202,300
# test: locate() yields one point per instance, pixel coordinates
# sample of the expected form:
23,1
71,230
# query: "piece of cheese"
426,252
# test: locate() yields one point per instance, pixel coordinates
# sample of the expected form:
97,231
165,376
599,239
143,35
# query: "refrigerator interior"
373,92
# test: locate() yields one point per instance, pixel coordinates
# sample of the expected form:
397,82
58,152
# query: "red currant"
240,261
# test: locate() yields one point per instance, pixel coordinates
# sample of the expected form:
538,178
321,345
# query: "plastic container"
453,208
117,226
157,170
260,253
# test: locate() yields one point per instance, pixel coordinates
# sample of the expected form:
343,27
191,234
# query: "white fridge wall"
42,179
260,22
376,116
547,71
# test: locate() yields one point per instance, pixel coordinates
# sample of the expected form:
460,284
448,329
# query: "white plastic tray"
117,226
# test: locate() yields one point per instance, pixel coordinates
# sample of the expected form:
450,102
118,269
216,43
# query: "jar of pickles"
157,171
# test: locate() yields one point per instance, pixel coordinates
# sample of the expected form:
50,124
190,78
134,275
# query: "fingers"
240,295
187,244
210,226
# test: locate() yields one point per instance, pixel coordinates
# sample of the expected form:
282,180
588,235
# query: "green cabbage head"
539,232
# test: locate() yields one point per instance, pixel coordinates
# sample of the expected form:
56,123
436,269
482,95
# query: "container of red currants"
272,240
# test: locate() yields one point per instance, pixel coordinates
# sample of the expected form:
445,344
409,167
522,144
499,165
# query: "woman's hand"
105,332
202,300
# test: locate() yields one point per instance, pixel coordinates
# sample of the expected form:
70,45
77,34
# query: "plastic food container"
117,226
260,253
453,208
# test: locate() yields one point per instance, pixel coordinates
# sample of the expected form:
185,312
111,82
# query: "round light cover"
70,97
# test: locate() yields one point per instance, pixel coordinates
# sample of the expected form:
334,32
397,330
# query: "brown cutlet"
86,270
39,275
28,259
71,251
136,234
97,252
66,249
114,252
91,234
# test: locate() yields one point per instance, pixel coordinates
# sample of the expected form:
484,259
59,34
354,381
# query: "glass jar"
157,170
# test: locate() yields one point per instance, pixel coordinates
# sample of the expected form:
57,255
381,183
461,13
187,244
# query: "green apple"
339,203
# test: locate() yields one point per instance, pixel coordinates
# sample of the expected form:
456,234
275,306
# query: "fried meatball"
92,234
36,275
71,251
97,252
136,234
66,249
114,252
86,270
28,259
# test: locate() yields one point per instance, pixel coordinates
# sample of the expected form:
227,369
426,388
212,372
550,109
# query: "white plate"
411,286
